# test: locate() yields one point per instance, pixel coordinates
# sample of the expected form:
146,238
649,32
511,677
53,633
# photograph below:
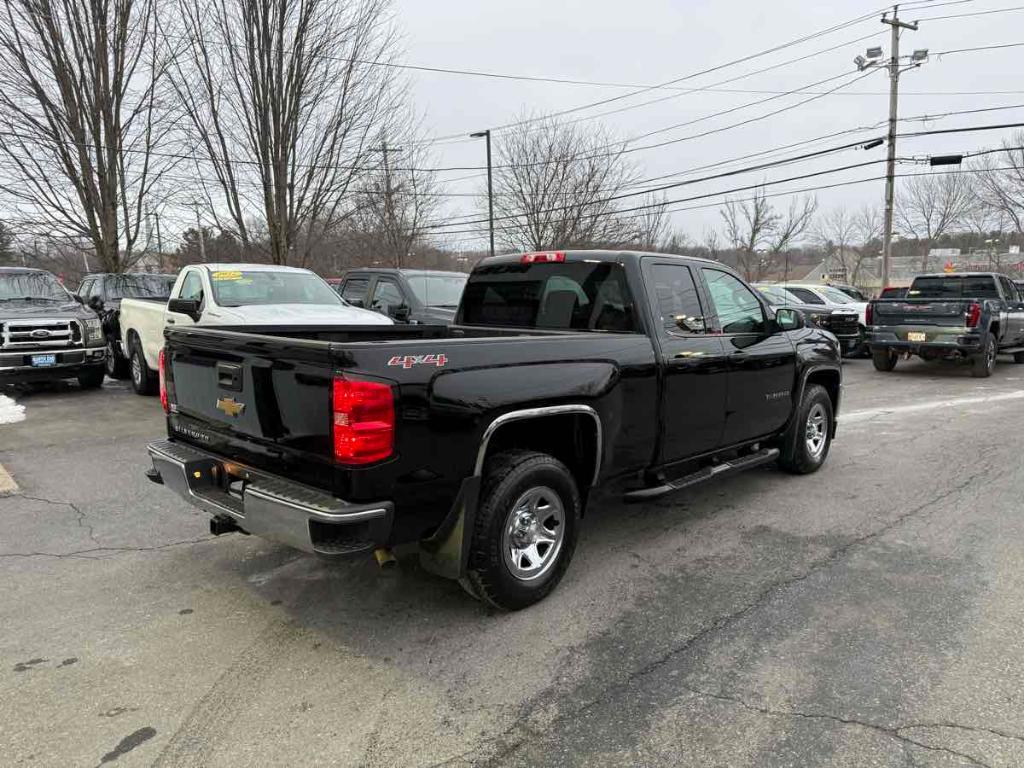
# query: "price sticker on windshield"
227,275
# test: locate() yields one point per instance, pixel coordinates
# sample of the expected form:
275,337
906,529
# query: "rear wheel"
526,529
884,359
983,364
117,367
91,379
143,381
807,442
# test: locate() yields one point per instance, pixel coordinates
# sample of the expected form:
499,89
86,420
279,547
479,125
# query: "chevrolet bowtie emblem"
230,407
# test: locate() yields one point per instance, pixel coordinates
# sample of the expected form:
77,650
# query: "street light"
490,184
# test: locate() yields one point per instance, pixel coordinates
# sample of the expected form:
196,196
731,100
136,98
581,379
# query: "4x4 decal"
408,361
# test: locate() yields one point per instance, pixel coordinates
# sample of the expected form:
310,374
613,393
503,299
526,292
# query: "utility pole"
890,162
490,183
202,243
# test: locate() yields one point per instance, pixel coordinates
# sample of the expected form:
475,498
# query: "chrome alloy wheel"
136,370
816,431
533,535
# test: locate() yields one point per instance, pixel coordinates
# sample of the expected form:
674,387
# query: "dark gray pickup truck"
970,317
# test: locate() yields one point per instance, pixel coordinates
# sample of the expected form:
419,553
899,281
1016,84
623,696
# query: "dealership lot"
870,614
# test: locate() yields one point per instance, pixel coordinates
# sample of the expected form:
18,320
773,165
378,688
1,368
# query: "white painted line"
7,484
10,411
928,405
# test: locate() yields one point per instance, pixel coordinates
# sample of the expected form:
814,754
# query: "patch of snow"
10,411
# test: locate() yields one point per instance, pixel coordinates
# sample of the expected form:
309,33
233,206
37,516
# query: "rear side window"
806,296
954,287
354,290
676,295
566,296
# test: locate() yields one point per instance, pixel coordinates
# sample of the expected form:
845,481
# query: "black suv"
102,293
45,335
405,295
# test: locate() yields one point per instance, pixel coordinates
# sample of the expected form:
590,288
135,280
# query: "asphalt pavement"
871,614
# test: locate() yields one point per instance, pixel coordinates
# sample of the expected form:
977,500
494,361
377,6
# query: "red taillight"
543,257
364,421
868,315
973,315
163,384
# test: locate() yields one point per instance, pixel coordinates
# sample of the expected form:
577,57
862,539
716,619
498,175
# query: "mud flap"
446,553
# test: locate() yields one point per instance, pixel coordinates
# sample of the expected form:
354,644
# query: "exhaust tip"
385,558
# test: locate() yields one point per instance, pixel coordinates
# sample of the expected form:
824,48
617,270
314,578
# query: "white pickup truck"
226,295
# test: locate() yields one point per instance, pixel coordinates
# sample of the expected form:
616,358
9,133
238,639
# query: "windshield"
835,295
139,286
954,287
438,290
239,288
39,286
776,296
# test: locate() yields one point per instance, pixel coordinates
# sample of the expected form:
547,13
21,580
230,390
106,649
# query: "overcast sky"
653,41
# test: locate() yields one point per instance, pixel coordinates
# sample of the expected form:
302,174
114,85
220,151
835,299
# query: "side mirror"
95,303
400,313
691,324
789,319
188,307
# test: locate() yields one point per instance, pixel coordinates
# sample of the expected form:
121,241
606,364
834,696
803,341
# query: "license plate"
916,336
41,361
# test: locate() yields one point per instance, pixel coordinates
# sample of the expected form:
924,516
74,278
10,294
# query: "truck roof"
21,271
397,270
595,255
249,267
961,274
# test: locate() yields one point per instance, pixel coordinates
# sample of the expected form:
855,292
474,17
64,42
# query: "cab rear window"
954,287
563,296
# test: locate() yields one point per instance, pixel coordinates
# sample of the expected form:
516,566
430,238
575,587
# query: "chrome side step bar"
764,456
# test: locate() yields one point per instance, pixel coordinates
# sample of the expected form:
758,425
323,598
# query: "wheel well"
830,380
133,339
572,438
994,330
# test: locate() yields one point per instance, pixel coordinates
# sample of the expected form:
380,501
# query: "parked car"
964,316
830,296
893,293
405,295
1020,287
854,293
103,292
45,334
565,372
841,323
230,295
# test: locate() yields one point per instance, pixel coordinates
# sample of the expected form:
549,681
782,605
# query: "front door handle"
170,321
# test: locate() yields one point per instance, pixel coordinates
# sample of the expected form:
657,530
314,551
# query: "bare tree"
552,187
759,234
80,119
283,100
1000,181
396,205
868,229
932,205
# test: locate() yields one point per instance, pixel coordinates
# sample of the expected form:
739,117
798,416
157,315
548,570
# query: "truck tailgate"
259,399
919,312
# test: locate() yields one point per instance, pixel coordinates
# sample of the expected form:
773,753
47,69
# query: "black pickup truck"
970,317
564,373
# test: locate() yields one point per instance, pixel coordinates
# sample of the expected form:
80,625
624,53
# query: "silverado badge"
230,407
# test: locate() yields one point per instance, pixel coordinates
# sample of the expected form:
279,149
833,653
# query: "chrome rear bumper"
269,506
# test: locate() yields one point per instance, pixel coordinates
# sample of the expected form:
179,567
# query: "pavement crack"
97,553
896,733
969,728
80,515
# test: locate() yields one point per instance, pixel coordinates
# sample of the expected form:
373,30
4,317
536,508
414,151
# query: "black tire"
92,378
509,479
143,380
884,359
800,454
1018,357
116,366
982,364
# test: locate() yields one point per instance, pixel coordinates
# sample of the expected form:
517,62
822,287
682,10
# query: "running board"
749,461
